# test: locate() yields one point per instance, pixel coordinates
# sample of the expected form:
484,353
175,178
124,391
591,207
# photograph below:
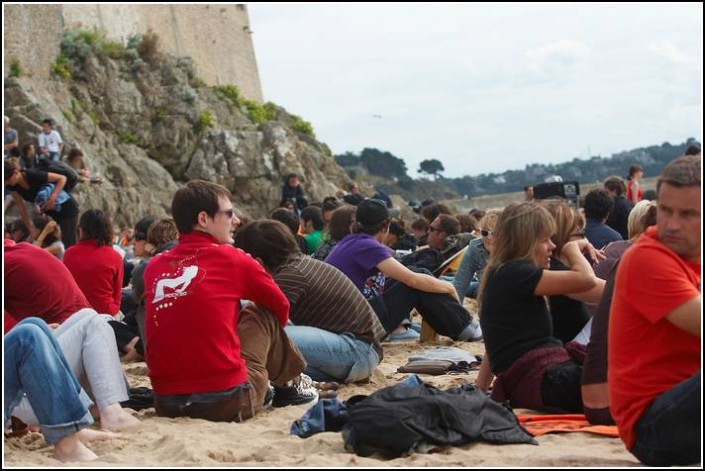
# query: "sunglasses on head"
486,233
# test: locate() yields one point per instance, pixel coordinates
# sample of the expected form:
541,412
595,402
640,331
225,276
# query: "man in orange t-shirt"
654,334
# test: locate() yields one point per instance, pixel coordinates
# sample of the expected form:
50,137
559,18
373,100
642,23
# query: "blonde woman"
642,216
475,258
569,312
534,369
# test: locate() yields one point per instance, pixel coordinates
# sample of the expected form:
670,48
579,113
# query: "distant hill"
386,172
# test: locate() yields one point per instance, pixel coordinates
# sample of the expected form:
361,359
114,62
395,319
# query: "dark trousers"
669,432
442,312
269,356
67,219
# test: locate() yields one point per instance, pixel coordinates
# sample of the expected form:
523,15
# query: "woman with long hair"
94,264
341,224
569,313
534,369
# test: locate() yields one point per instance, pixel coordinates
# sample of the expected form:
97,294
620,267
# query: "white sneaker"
472,333
299,390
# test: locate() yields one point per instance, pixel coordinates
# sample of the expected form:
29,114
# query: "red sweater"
98,271
37,284
9,321
192,296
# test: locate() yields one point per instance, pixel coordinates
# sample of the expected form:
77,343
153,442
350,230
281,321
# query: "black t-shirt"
569,315
514,321
36,179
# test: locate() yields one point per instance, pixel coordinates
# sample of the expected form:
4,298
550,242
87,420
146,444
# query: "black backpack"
62,169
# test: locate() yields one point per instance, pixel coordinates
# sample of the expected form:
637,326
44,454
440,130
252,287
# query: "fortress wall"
217,37
32,34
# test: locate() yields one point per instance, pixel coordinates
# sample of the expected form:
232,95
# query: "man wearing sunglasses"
444,241
207,357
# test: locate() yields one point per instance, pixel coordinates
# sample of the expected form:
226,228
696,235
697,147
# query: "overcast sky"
485,88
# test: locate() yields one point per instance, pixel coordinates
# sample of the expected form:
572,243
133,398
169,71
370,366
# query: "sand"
265,440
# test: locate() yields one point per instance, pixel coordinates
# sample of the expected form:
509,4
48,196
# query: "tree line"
592,170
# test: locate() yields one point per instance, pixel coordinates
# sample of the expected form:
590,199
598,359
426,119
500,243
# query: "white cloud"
556,61
671,53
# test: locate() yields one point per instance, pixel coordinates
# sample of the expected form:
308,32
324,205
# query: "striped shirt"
321,296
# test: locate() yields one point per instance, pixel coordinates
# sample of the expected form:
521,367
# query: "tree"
383,164
431,167
347,159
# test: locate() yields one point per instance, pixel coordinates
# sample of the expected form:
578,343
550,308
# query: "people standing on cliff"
10,138
27,184
50,142
75,161
634,190
354,197
29,158
292,191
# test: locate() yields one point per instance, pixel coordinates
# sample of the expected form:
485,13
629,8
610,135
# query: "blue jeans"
669,432
333,357
35,366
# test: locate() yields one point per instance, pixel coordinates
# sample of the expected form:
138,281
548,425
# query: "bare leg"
114,417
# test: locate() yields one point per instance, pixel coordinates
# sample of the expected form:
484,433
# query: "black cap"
371,212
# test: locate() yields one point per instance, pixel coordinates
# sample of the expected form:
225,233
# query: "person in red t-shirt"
654,351
94,264
208,358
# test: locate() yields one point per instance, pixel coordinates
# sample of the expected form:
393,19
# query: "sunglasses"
486,233
579,234
431,229
228,212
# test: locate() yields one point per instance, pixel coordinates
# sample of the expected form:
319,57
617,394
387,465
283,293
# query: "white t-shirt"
51,141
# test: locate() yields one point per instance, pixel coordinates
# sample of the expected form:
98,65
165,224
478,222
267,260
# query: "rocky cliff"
146,123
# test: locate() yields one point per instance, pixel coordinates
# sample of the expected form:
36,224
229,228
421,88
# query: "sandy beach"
265,440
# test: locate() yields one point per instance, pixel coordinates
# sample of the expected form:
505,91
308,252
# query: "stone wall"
216,37
32,35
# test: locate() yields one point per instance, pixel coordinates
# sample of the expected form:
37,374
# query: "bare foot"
89,435
114,417
70,449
